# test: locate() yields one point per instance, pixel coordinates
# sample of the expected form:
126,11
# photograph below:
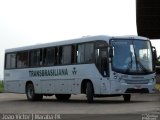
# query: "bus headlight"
151,80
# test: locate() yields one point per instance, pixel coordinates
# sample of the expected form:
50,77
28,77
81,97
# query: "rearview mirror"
154,54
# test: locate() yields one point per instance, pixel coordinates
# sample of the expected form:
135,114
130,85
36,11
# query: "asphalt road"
76,108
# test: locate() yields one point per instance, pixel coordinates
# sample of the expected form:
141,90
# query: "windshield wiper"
142,67
138,62
129,66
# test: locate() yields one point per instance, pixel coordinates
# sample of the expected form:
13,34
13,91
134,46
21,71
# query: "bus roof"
73,41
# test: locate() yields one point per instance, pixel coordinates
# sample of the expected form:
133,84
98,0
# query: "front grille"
137,81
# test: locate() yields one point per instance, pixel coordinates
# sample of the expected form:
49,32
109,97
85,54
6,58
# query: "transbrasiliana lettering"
50,72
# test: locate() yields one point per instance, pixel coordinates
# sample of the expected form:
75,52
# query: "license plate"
137,87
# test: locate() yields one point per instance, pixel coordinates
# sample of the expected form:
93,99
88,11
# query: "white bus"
98,66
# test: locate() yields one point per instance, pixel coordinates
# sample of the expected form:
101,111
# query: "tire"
89,92
127,97
30,93
63,97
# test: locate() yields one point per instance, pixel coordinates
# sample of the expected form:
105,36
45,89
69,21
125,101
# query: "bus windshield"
132,56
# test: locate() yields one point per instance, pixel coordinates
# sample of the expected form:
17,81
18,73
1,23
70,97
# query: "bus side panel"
64,86
47,86
67,81
15,86
12,82
89,72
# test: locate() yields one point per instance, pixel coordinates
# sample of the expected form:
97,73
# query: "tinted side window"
7,61
80,53
11,61
51,56
85,53
22,59
66,58
89,51
35,58
73,54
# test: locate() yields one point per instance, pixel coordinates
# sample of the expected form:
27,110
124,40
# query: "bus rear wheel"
30,93
89,92
63,97
127,97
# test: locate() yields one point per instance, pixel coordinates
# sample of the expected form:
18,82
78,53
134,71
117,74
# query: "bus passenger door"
102,61
102,64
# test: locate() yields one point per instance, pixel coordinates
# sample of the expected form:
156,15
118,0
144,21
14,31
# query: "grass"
158,87
1,86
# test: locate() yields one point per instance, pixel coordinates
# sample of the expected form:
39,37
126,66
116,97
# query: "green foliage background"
1,86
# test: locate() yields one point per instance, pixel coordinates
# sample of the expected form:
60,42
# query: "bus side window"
73,54
89,51
10,61
41,57
45,60
35,58
59,55
85,53
7,61
66,55
22,59
80,53
50,56
55,56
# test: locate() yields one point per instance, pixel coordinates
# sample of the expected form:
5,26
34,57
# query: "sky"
29,22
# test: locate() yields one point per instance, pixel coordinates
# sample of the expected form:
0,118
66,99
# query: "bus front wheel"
127,97
89,92
30,93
